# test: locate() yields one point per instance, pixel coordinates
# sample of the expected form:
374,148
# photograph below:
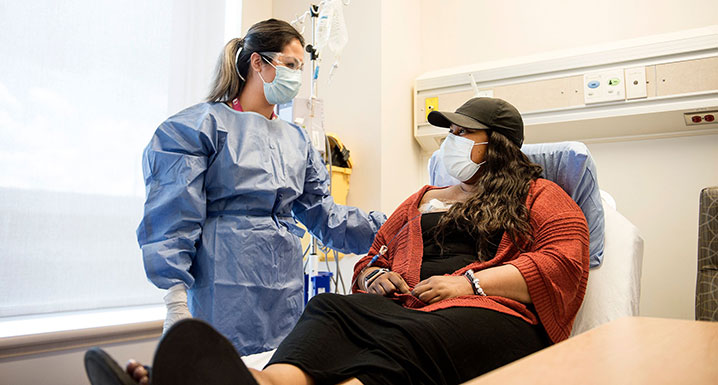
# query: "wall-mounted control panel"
604,86
615,85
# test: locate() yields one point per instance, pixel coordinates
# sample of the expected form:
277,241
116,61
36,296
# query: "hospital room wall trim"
550,93
29,345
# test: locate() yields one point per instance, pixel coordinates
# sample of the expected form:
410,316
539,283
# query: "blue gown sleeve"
343,228
174,165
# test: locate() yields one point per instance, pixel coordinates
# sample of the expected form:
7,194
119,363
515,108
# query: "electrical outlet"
636,83
700,117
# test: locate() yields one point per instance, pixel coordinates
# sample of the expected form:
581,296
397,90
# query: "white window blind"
83,85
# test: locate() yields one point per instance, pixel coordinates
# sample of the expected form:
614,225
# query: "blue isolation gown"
223,189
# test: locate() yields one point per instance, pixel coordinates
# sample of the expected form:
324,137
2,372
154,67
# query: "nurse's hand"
175,312
438,287
176,302
388,284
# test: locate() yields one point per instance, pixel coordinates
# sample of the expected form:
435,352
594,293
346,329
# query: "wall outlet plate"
701,117
636,83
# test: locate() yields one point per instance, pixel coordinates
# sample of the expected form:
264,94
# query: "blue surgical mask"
456,154
285,85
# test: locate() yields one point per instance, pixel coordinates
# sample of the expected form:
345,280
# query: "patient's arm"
438,287
386,284
505,281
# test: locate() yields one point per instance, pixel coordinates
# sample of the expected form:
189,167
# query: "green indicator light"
614,81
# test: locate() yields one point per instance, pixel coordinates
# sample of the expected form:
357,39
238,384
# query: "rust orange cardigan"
555,265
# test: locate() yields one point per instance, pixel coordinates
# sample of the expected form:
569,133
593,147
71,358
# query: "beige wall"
656,184
254,11
401,171
458,32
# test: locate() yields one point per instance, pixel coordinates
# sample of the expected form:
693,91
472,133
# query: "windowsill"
60,331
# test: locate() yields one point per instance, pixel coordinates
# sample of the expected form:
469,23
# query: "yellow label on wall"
431,104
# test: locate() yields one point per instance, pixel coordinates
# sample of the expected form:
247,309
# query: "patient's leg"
191,353
280,374
276,374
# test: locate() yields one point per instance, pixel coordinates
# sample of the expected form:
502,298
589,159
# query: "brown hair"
499,203
266,36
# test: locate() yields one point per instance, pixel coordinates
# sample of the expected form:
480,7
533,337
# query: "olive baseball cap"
484,114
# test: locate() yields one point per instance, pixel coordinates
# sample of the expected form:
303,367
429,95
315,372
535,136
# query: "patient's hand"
388,284
138,372
438,287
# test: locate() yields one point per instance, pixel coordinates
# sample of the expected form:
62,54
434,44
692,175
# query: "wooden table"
633,350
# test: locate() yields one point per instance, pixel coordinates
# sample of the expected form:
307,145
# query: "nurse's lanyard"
238,107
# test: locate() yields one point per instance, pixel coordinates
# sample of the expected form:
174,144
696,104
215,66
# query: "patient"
459,281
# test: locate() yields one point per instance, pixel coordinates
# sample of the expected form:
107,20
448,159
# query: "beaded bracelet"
474,280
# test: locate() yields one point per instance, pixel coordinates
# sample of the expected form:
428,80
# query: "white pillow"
614,288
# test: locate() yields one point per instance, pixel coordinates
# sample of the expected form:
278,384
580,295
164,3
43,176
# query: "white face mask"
456,154
285,85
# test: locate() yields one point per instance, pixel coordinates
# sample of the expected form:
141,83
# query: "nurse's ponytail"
233,66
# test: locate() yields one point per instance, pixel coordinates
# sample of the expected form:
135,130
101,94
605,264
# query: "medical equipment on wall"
654,87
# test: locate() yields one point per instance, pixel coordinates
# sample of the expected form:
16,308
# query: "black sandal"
192,353
101,369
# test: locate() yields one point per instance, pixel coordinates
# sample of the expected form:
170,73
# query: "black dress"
378,341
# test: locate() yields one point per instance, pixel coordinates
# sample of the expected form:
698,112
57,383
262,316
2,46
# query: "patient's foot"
138,372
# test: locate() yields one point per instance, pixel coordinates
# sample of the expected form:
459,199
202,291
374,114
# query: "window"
83,85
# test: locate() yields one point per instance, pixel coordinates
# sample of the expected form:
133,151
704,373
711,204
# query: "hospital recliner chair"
616,249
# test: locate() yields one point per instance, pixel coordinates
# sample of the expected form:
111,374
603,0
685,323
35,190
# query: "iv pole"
314,13
313,257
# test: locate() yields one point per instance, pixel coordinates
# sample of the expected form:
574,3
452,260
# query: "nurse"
225,180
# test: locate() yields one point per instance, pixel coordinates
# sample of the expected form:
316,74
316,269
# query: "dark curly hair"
499,203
